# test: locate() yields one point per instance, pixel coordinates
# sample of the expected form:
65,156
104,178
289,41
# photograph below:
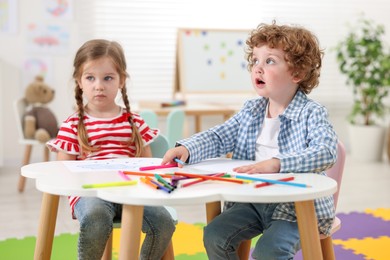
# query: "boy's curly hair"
302,52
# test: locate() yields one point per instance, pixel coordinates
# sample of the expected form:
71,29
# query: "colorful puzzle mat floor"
363,235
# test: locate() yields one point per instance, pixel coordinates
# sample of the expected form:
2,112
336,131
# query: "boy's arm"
321,147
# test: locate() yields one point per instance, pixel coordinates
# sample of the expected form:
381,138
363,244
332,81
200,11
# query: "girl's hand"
179,152
266,166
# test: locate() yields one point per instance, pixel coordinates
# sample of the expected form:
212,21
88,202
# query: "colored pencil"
179,161
206,177
200,180
109,184
149,174
155,167
161,187
244,177
124,176
148,182
264,184
163,182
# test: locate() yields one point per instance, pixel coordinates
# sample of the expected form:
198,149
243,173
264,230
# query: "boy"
281,131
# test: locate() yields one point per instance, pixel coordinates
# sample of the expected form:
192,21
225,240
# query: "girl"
100,129
281,131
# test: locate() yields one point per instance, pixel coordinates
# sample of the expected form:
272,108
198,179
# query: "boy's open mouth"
259,81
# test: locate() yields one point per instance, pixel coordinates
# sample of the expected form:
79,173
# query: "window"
147,30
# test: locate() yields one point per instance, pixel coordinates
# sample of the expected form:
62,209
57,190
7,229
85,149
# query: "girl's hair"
90,51
301,47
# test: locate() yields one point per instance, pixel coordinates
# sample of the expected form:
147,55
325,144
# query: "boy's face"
270,74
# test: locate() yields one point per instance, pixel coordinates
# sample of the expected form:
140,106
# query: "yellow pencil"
109,184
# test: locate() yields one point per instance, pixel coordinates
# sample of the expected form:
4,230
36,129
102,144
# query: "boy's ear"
297,79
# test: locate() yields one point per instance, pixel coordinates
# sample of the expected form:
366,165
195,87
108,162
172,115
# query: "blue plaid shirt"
307,144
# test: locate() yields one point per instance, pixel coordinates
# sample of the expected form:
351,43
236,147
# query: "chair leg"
244,249
26,160
169,254
46,154
327,249
107,255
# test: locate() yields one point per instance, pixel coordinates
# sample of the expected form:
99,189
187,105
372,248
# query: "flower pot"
388,144
367,142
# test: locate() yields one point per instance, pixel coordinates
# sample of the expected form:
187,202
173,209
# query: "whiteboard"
212,61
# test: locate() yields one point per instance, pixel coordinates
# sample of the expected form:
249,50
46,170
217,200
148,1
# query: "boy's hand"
266,166
179,152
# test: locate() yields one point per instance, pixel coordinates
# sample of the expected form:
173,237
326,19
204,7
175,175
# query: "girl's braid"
136,136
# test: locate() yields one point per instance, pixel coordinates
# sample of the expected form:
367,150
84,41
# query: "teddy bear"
39,122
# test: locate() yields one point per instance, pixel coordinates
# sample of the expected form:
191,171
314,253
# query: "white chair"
158,147
20,106
336,173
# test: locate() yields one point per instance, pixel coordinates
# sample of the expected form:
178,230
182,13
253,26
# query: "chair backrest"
159,146
175,126
19,109
150,118
336,172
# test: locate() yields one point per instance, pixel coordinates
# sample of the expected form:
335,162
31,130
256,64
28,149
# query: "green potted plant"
364,58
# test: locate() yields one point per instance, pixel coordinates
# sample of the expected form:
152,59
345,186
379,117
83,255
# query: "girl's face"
270,74
100,83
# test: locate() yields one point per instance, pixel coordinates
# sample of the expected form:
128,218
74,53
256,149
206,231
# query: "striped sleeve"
148,134
66,139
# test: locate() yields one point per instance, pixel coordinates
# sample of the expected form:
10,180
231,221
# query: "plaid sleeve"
310,145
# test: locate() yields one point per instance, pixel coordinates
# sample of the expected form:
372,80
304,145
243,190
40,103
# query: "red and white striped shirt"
110,135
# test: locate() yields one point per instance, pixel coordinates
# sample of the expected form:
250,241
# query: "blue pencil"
179,161
245,177
161,187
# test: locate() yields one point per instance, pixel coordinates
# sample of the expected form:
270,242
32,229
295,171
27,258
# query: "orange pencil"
148,182
200,180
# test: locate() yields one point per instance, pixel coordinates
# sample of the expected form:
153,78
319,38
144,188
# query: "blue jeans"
96,220
244,221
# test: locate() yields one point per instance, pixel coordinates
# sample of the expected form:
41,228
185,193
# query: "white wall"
12,54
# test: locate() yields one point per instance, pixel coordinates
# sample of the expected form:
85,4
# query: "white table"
56,179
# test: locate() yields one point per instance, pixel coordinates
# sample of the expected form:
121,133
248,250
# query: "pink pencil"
124,176
155,167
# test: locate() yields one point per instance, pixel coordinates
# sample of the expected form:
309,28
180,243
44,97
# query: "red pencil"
264,184
200,180
206,177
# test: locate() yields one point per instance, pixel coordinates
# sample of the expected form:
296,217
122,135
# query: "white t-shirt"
267,140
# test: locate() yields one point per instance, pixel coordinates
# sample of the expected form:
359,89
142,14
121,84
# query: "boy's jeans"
96,219
243,221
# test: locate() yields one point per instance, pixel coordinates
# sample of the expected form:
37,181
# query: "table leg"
131,225
198,123
213,209
47,223
308,230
